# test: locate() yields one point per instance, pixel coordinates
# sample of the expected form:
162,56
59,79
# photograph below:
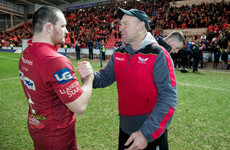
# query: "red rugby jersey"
49,82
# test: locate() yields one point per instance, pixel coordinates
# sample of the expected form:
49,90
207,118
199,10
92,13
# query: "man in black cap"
146,84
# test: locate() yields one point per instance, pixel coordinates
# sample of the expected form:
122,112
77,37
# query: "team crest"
142,60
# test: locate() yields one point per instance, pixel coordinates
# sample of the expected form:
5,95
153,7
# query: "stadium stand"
98,23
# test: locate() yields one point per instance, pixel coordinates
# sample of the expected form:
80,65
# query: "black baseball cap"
136,13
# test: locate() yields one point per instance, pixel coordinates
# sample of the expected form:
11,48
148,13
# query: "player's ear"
48,27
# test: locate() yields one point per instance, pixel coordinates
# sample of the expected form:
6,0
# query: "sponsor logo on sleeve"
70,90
62,76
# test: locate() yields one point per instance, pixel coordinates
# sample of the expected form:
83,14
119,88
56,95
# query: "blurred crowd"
15,36
100,23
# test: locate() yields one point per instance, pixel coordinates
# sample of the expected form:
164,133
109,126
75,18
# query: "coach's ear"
49,27
142,26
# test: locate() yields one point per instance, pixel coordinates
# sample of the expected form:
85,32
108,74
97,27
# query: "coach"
146,84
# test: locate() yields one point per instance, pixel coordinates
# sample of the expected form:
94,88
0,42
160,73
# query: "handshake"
85,71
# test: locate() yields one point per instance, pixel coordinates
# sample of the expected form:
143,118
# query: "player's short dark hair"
176,35
43,15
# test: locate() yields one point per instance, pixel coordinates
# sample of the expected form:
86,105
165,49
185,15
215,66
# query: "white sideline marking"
9,58
204,87
217,71
9,79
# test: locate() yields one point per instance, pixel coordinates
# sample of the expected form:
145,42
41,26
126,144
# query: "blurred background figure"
78,51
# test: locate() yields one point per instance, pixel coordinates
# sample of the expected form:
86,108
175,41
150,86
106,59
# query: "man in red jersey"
50,85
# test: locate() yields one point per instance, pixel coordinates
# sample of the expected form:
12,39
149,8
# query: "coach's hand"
139,141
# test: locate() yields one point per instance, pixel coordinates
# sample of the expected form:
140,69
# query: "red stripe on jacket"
158,132
170,65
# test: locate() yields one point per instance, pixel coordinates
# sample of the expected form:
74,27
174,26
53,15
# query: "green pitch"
201,120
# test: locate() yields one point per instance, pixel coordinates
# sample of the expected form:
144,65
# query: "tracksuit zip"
128,63
130,55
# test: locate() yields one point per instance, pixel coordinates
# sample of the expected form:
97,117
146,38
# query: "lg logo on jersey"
62,76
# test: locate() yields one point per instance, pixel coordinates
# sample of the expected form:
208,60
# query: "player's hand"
139,141
85,70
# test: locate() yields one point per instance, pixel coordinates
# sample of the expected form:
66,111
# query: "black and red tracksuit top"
137,93
146,84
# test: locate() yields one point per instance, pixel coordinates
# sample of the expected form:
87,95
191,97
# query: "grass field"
201,121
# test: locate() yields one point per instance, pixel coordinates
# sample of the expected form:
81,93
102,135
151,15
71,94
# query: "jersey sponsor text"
62,76
71,90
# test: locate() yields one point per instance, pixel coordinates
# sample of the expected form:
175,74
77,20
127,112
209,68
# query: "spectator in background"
209,46
90,47
103,51
196,56
78,51
190,56
12,45
201,47
224,59
184,59
216,56
50,85
66,50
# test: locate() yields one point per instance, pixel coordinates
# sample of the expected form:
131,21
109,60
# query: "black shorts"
159,144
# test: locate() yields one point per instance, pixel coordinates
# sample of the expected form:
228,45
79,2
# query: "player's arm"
67,87
80,104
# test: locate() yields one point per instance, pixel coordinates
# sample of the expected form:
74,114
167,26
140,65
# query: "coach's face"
129,27
59,30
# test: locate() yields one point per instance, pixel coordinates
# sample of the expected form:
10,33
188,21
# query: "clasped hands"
85,71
